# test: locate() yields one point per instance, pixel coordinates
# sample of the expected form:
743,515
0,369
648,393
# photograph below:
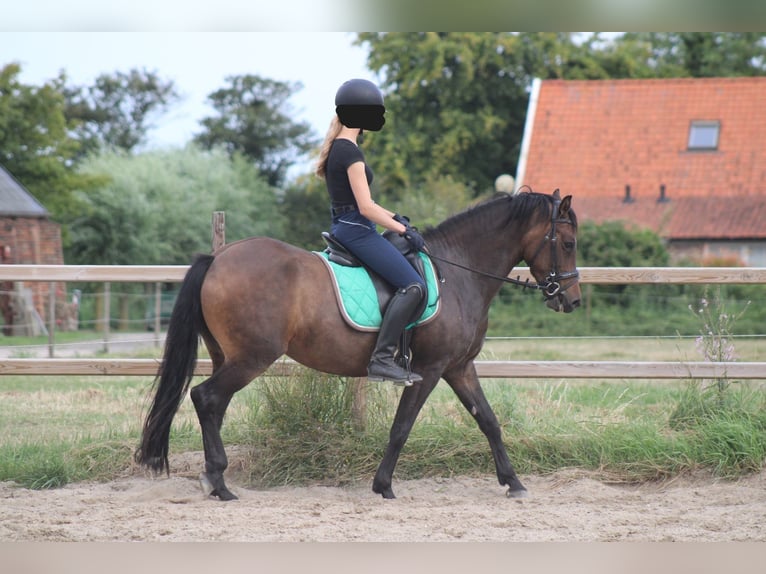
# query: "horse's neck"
495,249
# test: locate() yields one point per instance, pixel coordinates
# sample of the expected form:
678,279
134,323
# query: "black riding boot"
398,315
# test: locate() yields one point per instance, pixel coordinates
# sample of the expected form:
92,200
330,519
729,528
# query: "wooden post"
51,318
123,305
107,314
157,312
219,229
359,403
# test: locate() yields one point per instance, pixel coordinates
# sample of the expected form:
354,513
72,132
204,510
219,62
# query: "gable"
15,201
595,137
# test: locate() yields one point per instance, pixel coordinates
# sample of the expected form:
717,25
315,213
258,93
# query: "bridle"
551,287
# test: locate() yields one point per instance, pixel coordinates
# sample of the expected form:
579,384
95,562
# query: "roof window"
703,135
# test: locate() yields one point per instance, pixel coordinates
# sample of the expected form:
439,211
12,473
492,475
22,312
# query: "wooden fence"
486,369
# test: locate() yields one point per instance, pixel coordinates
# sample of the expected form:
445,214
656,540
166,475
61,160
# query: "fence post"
157,312
358,403
219,229
107,314
51,318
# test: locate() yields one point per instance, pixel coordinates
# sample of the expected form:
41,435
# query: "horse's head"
551,256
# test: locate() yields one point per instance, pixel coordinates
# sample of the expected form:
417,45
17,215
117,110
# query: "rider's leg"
399,313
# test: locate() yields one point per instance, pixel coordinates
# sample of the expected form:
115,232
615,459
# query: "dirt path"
567,506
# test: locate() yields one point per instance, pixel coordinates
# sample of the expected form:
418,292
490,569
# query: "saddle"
338,254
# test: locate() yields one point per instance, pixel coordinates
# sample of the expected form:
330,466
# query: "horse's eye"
569,245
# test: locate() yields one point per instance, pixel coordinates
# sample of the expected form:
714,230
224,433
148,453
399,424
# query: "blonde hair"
332,133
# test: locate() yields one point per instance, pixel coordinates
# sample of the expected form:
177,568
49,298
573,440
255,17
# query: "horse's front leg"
413,399
465,382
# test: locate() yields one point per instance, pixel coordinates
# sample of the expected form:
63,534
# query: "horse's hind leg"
211,398
466,385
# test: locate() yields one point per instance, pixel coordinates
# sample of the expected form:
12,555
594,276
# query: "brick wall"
32,241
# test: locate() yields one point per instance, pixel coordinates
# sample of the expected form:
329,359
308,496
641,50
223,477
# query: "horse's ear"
565,206
556,194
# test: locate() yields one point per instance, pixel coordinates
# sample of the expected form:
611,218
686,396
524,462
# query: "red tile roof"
682,218
592,138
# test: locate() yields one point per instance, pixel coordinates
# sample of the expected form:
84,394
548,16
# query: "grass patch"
626,432
57,430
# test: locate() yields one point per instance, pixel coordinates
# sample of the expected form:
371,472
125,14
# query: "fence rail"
485,369
593,275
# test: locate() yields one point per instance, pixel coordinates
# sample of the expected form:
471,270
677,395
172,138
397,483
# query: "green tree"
700,54
611,244
35,145
454,107
157,206
118,109
432,201
254,119
306,206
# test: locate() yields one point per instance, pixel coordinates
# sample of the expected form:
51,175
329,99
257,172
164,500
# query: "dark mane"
510,208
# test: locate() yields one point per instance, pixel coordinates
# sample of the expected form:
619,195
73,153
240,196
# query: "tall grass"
627,436
301,430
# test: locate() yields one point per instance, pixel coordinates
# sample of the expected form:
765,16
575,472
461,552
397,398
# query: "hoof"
386,492
222,493
519,493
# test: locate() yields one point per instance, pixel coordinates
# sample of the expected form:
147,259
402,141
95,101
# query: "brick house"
683,157
27,236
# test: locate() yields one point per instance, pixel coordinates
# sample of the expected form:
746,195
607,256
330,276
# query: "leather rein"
552,284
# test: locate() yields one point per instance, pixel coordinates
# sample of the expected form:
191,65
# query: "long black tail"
177,369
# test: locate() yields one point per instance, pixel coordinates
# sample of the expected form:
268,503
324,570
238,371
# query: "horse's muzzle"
566,300
562,303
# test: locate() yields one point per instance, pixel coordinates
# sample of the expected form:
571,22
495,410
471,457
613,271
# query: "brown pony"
256,300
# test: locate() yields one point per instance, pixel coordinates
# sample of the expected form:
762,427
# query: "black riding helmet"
359,104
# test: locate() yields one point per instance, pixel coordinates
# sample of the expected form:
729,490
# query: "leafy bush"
156,207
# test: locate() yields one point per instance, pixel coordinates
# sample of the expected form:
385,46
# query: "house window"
703,135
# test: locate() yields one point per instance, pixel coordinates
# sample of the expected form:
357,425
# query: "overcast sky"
198,63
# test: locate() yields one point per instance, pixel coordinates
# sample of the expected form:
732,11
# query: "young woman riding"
359,107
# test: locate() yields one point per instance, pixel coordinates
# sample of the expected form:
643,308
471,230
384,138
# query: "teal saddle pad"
358,300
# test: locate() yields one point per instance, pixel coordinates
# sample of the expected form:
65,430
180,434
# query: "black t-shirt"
343,154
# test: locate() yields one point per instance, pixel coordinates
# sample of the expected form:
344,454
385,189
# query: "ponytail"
332,133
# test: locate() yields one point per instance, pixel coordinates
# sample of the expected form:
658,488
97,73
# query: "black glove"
414,238
403,219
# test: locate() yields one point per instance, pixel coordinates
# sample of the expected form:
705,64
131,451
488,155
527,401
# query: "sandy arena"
566,506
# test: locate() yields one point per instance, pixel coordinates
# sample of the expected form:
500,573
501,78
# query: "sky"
198,64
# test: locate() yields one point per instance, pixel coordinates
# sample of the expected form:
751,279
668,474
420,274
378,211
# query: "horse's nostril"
575,303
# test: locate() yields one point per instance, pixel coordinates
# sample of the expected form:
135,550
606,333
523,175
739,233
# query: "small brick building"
27,236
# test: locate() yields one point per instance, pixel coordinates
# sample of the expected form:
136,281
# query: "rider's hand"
414,238
403,219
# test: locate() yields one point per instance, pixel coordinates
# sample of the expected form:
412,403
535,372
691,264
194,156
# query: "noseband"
551,287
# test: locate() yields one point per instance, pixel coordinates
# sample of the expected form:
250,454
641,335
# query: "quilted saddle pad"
358,299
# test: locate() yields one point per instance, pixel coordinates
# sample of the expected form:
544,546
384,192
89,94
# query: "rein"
552,285
517,281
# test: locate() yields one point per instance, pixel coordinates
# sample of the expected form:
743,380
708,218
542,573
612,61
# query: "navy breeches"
358,235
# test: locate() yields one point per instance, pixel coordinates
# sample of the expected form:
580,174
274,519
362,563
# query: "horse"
258,299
